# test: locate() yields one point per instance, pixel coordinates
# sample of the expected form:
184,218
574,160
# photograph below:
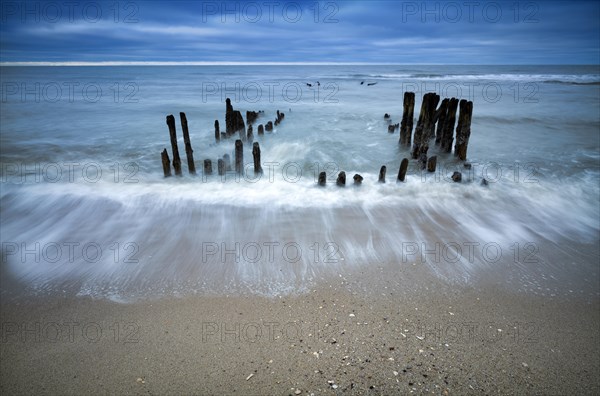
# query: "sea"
86,209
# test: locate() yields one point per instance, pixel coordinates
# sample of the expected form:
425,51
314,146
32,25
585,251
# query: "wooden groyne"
435,123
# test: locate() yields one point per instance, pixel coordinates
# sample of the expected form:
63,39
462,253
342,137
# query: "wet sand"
388,330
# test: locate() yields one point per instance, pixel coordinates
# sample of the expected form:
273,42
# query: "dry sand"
381,331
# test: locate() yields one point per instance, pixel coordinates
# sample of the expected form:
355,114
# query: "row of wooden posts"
430,116
234,123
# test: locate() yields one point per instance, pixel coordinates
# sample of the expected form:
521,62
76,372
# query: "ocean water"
85,208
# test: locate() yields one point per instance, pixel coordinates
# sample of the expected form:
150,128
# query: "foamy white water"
144,235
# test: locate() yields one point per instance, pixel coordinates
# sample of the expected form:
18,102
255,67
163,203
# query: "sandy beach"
388,330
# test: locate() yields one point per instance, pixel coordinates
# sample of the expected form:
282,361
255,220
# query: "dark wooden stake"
322,179
228,117
406,125
221,166
357,179
227,161
256,155
463,130
217,131
403,169
261,130
448,127
341,179
250,136
382,174
166,162
189,153
173,134
239,156
425,125
431,164
207,167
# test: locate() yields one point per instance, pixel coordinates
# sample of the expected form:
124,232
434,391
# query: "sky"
398,32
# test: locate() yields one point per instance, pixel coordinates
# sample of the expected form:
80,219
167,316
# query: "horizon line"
236,63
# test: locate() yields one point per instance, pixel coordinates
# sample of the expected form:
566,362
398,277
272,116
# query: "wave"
574,79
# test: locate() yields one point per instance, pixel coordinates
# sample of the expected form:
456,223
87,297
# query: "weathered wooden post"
269,126
341,179
463,130
425,125
227,161
217,131
238,124
406,125
431,164
256,155
221,166
228,117
239,156
392,127
322,179
250,136
457,177
440,116
403,169
166,163
261,130
173,134
382,174
357,179
207,167
448,128
189,153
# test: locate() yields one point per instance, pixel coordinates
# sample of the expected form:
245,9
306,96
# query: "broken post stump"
227,161
221,166
269,126
403,169
463,130
217,131
189,153
250,136
457,177
341,179
261,130
392,127
322,179
406,125
166,163
173,135
251,117
431,164
239,156
448,128
357,179
207,167
256,155
382,174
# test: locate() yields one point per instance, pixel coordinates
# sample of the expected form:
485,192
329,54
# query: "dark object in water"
431,164
357,179
207,167
322,179
217,131
250,136
189,153
173,135
406,125
239,156
221,166
382,172
261,130
425,124
463,129
256,155
484,182
166,163
227,162
467,165
448,127
457,177
269,126
403,169
341,179
369,84
392,128
386,116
